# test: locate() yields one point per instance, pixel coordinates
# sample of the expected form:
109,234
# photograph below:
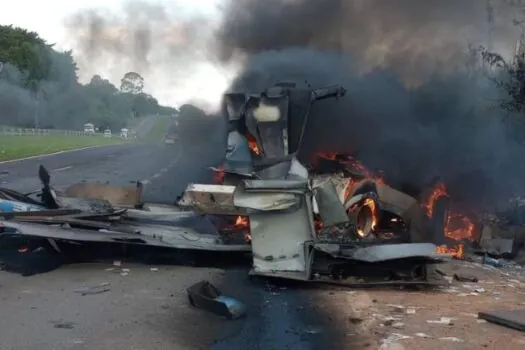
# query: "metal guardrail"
13,131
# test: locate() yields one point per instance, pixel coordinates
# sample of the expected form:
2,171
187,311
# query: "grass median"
16,147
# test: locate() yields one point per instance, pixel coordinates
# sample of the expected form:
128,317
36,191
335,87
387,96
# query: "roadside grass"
158,130
15,147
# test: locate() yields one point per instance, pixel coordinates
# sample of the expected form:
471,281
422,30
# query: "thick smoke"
418,105
171,47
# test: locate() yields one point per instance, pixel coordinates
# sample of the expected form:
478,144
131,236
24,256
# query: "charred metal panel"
266,201
238,155
395,201
278,240
275,185
210,199
329,204
278,237
267,121
154,235
384,252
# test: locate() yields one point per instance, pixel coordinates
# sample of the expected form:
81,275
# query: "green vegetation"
158,131
39,85
15,147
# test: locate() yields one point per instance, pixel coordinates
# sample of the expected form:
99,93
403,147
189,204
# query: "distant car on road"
107,133
170,138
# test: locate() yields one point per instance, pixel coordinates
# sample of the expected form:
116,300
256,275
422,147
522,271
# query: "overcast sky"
47,18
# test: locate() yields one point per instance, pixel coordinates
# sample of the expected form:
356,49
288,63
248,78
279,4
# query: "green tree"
132,82
27,51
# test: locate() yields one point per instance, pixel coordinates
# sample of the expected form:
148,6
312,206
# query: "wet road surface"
144,309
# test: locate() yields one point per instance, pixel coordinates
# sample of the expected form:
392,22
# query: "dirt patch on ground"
430,319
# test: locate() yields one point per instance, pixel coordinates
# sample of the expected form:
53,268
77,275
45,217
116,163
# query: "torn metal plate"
384,252
153,235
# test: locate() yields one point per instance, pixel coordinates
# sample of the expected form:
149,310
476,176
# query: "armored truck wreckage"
306,223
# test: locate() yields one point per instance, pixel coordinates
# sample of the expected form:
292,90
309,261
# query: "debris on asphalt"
98,289
452,339
442,320
465,278
422,335
487,260
63,325
514,319
206,296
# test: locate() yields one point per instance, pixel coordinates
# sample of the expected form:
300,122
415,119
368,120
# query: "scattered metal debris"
514,319
206,296
465,278
101,288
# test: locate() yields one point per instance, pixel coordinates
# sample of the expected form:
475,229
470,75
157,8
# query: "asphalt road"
146,309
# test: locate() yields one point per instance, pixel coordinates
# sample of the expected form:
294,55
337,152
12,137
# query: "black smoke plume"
419,104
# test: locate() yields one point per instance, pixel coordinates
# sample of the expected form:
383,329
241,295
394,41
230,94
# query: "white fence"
12,131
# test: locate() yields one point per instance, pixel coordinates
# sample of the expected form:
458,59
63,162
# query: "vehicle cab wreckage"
329,222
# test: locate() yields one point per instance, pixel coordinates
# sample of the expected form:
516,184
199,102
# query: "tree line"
39,87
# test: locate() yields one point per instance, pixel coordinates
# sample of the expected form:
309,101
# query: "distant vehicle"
170,138
107,133
89,128
172,134
124,133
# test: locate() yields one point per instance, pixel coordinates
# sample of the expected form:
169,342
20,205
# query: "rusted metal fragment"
115,195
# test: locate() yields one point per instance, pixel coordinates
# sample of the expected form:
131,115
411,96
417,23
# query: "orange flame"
439,191
457,251
457,226
243,223
252,144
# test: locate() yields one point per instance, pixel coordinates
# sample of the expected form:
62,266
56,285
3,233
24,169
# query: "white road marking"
62,169
163,170
145,182
52,154
156,176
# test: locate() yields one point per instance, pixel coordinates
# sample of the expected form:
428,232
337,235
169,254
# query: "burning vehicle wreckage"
327,221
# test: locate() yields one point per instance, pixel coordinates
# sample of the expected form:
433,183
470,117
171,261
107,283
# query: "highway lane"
146,309
153,164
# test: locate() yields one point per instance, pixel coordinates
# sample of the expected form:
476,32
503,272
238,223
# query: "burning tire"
363,205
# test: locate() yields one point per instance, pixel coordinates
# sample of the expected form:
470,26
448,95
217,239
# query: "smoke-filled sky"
417,106
173,44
